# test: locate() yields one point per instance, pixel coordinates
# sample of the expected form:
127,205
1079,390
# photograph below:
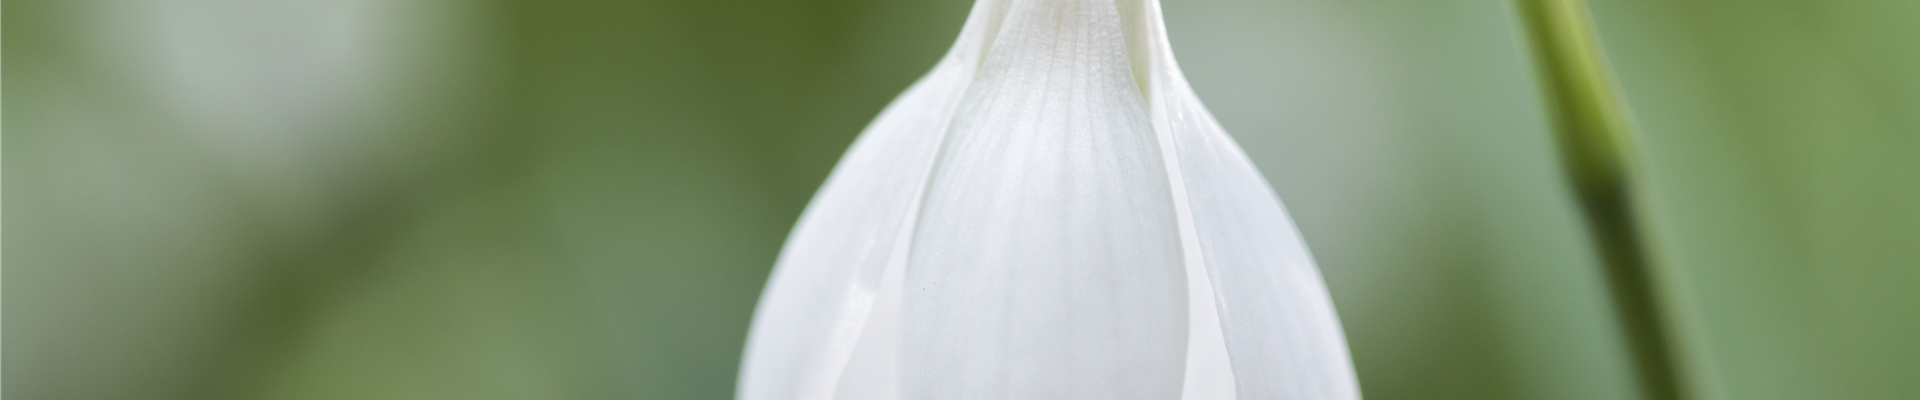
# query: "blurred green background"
518,199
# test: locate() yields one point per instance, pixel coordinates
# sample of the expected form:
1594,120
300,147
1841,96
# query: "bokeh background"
569,199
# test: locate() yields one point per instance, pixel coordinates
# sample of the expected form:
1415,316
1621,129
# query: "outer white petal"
827,279
1277,319
1047,262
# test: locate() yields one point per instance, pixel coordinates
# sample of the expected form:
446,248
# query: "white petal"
1047,263
1277,320
1058,254
825,284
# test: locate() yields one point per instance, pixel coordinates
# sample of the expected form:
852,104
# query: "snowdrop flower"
1049,214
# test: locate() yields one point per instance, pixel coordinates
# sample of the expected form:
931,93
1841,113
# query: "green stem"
1598,152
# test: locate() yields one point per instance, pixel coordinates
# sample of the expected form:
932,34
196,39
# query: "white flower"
1049,214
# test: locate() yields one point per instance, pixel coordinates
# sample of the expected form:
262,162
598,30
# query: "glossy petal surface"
1050,214
1047,261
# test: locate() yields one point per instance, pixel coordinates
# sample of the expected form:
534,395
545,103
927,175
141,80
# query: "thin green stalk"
1598,153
